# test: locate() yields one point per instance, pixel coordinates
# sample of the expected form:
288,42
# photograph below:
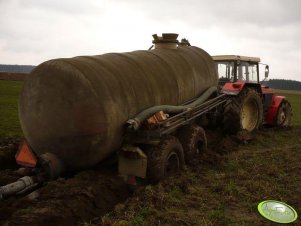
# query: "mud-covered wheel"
284,114
243,112
193,140
165,159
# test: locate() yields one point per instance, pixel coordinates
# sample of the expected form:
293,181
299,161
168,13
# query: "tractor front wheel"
284,114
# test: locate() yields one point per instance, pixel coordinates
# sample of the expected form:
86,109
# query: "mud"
154,200
87,196
12,76
8,149
83,198
220,144
79,198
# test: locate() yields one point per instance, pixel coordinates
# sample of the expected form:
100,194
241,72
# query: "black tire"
284,114
243,112
193,140
165,159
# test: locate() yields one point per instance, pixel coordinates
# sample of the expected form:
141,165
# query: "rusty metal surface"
75,108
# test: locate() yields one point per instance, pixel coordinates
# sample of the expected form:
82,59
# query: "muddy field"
12,76
204,194
83,197
224,185
75,199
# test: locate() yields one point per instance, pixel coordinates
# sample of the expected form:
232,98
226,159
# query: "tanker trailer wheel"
243,112
164,159
284,114
193,139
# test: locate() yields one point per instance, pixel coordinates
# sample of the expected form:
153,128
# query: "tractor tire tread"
188,136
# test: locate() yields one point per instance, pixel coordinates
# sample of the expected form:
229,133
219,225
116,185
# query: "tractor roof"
235,57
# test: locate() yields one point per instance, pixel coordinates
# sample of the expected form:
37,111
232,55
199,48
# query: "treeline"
283,84
16,68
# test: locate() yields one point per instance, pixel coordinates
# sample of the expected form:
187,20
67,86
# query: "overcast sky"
33,31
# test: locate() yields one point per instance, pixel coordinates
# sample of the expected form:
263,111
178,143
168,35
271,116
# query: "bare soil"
79,198
8,149
83,198
12,76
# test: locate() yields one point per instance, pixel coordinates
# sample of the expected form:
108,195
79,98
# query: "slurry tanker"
149,108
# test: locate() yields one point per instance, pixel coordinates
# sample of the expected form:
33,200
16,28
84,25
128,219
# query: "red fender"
271,116
234,88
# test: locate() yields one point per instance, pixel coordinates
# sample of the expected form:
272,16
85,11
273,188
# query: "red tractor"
252,104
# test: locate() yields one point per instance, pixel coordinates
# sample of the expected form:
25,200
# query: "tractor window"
253,73
247,72
225,70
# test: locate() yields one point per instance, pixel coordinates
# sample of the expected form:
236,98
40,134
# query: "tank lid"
166,38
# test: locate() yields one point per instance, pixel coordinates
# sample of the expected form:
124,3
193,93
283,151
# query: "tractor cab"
234,68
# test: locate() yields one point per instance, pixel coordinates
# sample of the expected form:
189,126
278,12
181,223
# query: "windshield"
247,72
228,71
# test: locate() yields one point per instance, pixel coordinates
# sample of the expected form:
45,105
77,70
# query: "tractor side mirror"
266,71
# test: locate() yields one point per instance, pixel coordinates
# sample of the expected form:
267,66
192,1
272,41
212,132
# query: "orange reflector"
25,156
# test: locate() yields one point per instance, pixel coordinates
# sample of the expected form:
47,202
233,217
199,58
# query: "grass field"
296,105
9,120
294,97
292,92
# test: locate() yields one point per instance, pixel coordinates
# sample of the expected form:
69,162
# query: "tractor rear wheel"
165,159
284,114
193,139
243,112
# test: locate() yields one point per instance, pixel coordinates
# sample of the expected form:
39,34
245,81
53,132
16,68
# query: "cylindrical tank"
76,108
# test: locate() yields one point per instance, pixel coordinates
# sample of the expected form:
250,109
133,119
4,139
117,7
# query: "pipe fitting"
51,165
